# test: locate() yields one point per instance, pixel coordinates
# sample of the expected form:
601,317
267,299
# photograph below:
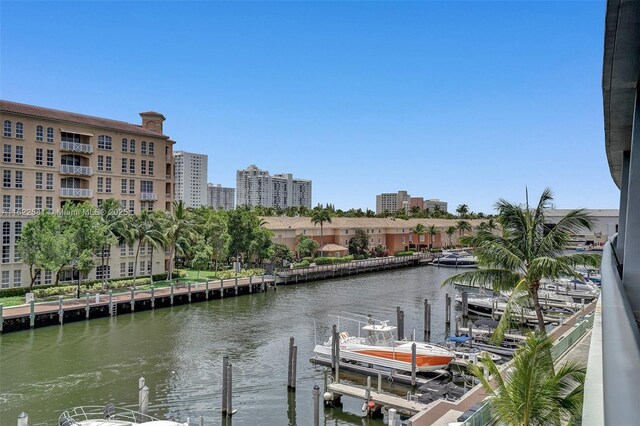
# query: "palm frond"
498,278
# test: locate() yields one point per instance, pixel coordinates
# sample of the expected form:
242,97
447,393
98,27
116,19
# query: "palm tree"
432,231
419,230
320,215
178,224
145,230
450,231
462,211
116,223
532,393
463,226
523,255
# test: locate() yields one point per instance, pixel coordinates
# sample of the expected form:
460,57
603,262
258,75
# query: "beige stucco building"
50,157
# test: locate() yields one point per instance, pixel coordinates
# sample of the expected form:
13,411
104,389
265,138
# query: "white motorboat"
458,259
110,416
380,348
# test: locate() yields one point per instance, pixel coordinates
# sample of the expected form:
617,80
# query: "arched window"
132,146
6,232
125,145
39,133
104,142
49,134
151,148
19,130
7,128
143,147
18,230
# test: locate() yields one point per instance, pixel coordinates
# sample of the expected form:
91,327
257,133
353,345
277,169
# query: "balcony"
76,193
68,169
169,158
168,195
148,196
82,148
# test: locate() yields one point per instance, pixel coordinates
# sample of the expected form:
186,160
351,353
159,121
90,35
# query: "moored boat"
458,259
110,416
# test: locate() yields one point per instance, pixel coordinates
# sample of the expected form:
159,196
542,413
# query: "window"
19,154
47,277
7,154
146,186
104,142
5,275
150,148
123,249
38,156
123,186
7,129
18,232
49,180
123,269
49,134
100,163
107,185
17,278
108,164
6,233
18,202
132,166
19,130
49,158
100,183
150,168
130,269
18,182
38,180
132,186
38,203
39,133
143,267
125,145
103,272
132,146
6,204
143,148
124,165
132,206
6,178
49,203
143,167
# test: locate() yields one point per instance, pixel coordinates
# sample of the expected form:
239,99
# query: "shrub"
333,260
404,253
303,264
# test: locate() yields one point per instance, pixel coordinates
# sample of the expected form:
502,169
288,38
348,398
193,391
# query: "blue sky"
463,101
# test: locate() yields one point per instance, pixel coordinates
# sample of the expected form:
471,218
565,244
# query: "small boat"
380,348
110,416
457,259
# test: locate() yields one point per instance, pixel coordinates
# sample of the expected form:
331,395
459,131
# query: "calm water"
179,351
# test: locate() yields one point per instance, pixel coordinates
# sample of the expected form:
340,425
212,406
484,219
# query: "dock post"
316,405
143,396
400,320
290,370
367,395
86,308
171,297
189,292
457,327
153,297
201,422
413,364
447,318
229,390
251,284
225,363
23,419
133,300
465,304
206,290
392,417
425,320
221,288
60,310
111,311
470,334
334,337
236,285
1,319
379,382
337,358
428,330
264,288
32,315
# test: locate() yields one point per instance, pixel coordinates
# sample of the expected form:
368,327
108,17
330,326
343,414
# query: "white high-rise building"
256,187
221,198
191,178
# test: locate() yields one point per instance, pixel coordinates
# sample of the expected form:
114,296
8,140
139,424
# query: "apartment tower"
221,198
191,178
256,187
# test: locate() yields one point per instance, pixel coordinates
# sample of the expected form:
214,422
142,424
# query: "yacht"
458,259
110,416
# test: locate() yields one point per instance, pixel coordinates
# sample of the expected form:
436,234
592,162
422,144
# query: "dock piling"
293,355
32,315
470,334
143,396
334,338
400,322
316,406
391,420
250,284
337,359
133,300
379,382
111,310
221,288
229,390
206,290
189,292
23,419
225,363
413,364
447,310
427,321
236,285
153,297
86,308
465,304
171,297
367,395
201,422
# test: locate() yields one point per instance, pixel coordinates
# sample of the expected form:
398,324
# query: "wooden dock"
402,405
91,306
321,272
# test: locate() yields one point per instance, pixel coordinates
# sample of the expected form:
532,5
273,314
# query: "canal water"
179,352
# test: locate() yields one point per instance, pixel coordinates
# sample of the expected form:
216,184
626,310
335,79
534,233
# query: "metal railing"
76,193
83,148
148,196
68,169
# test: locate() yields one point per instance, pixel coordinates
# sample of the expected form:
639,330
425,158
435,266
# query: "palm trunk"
536,305
151,268
171,251
321,239
135,264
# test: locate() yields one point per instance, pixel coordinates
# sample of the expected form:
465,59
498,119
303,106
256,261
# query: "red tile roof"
71,117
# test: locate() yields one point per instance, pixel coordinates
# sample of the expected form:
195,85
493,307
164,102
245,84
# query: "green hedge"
249,272
333,260
404,253
84,288
302,264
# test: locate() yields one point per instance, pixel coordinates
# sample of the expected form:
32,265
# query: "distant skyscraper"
392,202
191,178
256,187
221,198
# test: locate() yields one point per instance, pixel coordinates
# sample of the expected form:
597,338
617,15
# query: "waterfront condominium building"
50,157
256,187
191,178
391,202
220,198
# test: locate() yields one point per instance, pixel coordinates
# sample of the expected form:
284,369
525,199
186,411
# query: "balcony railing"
148,196
612,373
68,169
76,193
83,148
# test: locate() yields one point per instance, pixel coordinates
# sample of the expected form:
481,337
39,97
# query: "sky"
467,102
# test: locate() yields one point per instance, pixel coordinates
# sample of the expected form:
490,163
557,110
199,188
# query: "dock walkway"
401,404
